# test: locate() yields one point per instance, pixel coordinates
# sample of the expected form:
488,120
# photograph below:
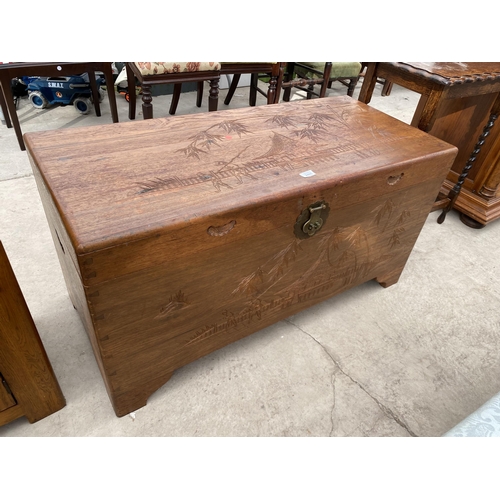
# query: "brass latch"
311,220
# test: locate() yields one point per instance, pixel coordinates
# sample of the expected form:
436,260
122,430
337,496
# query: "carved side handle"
221,230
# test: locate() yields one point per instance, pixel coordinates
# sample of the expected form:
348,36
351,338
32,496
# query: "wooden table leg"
428,116
369,81
7,92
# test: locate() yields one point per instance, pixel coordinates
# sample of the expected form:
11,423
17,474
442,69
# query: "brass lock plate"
311,220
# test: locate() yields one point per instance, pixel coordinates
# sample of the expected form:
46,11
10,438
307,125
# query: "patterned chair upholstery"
160,68
176,73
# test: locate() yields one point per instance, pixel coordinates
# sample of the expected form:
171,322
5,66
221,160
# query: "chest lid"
117,183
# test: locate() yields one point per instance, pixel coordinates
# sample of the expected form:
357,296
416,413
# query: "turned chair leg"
272,89
213,97
147,107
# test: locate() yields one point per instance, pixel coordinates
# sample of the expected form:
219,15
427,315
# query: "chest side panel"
78,293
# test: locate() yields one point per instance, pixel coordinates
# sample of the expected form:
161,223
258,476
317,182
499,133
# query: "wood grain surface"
177,236
454,73
23,361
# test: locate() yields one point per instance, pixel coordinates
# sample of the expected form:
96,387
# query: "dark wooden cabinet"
28,386
455,105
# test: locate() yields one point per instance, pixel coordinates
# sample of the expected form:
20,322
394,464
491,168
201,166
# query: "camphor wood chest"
178,236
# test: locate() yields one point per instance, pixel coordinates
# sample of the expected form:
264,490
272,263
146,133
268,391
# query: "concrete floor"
410,360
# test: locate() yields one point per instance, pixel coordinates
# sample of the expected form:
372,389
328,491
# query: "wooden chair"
272,70
157,73
300,74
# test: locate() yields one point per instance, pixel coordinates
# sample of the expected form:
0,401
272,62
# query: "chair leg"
271,91
147,107
369,81
95,93
386,89
326,79
12,112
290,68
5,111
280,70
175,98
310,90
213,96
254,81
110,85
199,94
232,88
131,93
352,85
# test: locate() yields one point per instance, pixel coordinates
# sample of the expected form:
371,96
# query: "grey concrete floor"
410,360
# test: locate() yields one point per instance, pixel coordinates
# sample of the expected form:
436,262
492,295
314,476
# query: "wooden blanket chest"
180,235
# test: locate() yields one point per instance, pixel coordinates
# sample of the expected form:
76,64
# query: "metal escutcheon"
311,220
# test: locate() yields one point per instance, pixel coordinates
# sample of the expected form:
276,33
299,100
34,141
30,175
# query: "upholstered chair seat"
176,73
